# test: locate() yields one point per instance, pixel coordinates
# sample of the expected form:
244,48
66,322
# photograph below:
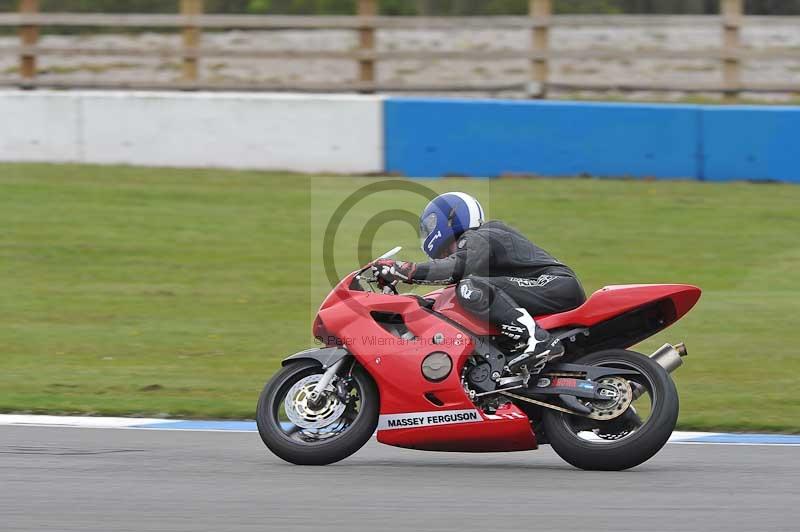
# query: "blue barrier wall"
490,138
428,137
757,143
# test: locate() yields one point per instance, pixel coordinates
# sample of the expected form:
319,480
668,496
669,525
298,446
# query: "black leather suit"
499,270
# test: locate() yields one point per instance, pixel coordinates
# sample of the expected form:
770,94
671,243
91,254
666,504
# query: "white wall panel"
295,132
39,126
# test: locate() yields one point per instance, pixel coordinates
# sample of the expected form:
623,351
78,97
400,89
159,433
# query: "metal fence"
191,21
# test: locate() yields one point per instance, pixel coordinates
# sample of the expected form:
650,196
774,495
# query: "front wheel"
628,439
321,432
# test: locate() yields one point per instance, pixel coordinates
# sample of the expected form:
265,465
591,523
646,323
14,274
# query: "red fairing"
447,304
612,301
606,303
395,365
506,430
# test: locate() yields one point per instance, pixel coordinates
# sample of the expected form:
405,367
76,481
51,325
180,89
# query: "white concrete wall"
40,127
295,132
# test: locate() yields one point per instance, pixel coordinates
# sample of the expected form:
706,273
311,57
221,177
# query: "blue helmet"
445,219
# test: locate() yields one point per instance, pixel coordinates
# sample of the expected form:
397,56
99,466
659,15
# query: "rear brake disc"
619,394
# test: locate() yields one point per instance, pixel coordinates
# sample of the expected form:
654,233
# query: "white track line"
79,421
680,437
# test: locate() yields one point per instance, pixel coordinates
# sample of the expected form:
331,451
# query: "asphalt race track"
115,479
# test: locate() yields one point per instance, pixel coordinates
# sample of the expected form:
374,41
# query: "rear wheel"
306,432
628,439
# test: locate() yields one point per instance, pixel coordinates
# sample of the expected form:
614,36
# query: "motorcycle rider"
502,277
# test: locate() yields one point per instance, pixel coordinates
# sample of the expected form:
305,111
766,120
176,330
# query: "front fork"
325,381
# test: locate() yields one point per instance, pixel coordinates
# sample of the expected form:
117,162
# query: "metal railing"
191,21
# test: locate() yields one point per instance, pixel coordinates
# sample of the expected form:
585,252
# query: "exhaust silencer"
670,357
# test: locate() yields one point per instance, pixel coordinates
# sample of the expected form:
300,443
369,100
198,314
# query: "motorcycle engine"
479,374
477,379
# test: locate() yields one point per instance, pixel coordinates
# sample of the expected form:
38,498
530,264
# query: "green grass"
177,292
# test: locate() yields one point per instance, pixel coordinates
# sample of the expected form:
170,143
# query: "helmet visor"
427,225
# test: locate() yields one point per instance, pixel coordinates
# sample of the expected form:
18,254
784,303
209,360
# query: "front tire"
631,449
323,445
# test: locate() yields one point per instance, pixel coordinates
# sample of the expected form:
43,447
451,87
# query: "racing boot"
540,348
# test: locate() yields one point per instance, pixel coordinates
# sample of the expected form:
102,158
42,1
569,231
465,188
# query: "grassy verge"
144,291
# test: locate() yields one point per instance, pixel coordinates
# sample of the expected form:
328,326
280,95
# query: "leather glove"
390,272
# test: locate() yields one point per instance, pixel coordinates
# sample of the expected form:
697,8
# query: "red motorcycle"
427,375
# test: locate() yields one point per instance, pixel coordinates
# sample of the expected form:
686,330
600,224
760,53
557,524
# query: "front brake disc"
304,415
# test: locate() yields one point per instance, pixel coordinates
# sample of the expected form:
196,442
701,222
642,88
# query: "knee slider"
473,295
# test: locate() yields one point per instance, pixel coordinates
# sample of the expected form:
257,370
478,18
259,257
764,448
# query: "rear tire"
323,452
634,449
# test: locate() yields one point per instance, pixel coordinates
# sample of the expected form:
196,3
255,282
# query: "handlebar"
372,281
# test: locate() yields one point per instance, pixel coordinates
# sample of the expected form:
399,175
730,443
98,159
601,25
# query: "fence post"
732,11
366,40
540,10
28,36
191,39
